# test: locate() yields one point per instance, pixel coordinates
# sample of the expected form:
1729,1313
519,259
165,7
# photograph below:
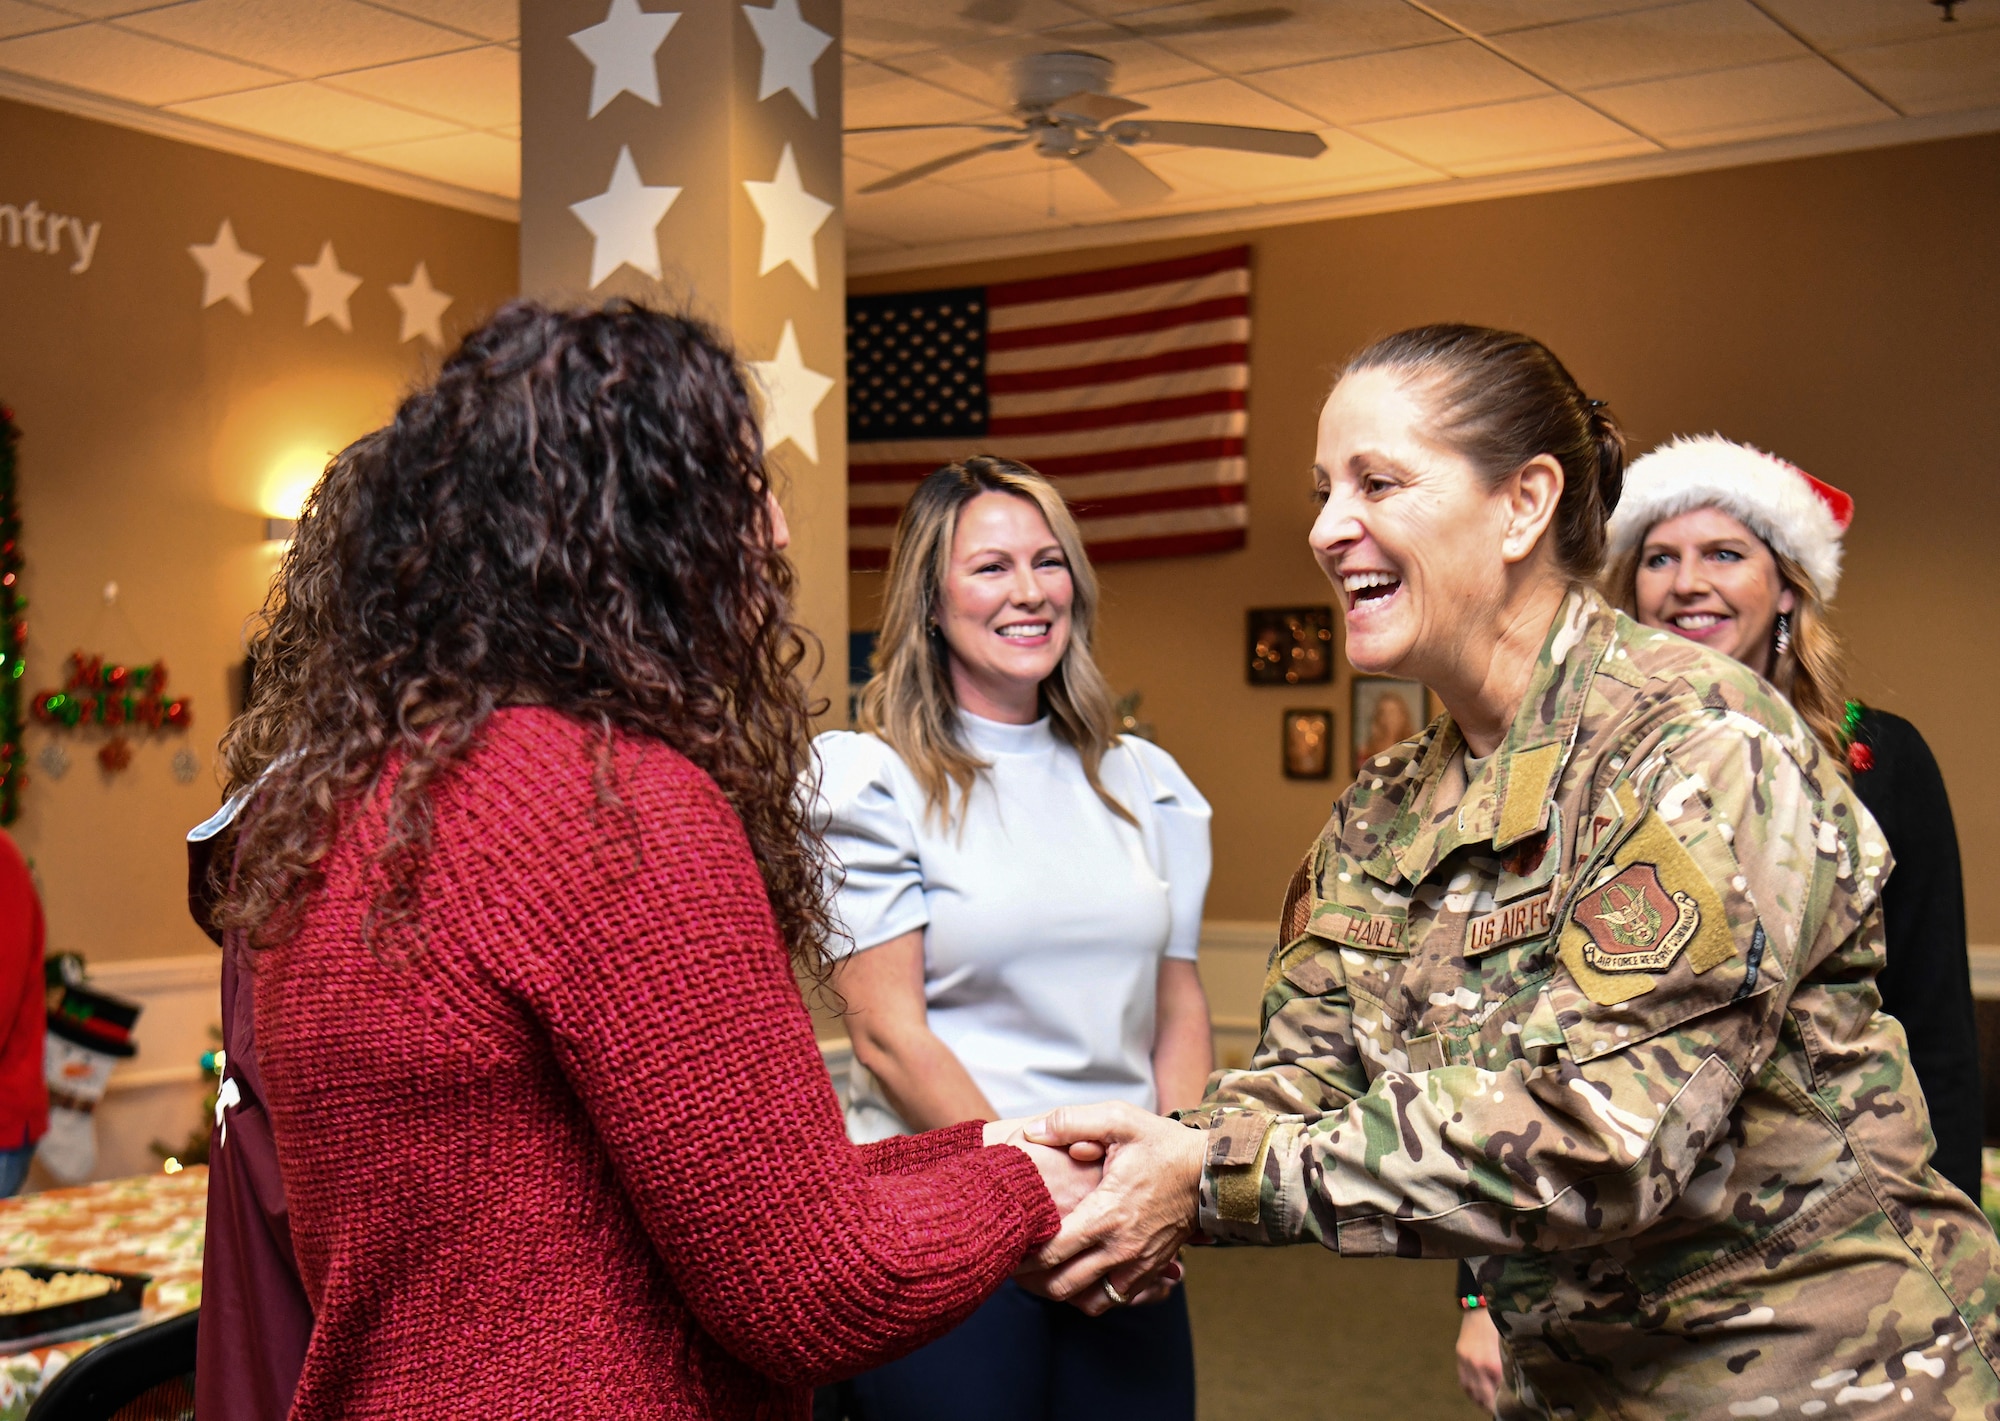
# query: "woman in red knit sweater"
522,887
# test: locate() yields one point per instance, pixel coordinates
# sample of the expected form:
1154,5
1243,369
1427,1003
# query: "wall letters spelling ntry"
50,234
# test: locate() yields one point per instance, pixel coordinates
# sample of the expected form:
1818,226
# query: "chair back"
146,1374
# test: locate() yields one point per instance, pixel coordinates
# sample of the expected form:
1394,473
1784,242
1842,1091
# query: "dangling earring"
1784,638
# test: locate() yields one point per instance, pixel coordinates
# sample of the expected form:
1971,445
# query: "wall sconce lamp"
280,530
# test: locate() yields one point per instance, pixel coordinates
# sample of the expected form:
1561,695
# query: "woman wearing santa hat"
1739,550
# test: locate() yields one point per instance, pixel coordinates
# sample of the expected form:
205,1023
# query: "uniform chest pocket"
1526,895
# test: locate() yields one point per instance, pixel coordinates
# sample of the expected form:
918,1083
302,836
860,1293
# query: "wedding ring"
1118,1299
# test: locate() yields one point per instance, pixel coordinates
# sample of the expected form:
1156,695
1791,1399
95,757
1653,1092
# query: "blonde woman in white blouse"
1023,891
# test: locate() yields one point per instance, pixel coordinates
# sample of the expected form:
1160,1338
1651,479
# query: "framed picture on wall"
1308,744
1290,646
1385,711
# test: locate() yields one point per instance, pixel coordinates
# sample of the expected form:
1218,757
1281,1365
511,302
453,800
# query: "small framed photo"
1385,712
1308,744
1290,646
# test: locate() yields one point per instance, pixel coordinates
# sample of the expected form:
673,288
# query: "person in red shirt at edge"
517,891
24,1091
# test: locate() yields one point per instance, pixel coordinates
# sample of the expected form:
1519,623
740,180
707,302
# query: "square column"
686,154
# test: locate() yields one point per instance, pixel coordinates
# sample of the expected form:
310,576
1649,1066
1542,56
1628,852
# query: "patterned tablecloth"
152,1224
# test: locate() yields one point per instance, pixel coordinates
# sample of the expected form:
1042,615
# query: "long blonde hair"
908,701
1809,672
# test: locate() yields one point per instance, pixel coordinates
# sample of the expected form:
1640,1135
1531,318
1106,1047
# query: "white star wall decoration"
790,48
792,393
423,306
792,219
623,219
225,269
327,289
621,50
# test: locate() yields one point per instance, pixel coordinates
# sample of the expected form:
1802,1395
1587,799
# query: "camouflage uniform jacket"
1604,1021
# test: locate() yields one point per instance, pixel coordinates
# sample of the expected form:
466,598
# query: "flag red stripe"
1165,545
1158,501
1109,506
1123,278
1140,412
1019,382
1104,461
1216,309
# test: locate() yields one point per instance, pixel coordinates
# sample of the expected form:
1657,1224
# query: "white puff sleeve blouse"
1045,915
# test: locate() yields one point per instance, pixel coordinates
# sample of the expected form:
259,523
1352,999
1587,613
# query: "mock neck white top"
1045,915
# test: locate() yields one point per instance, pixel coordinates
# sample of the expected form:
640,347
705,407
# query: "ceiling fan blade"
1098,108
936,165
1128,182
1285,142
915,127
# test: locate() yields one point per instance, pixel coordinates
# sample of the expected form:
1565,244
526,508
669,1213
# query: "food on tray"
21,1291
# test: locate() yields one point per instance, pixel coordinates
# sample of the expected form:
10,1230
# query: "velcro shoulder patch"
1636,920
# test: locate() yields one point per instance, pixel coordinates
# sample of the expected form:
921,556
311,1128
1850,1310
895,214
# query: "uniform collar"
1508,800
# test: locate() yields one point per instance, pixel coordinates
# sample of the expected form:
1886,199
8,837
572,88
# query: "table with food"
67,1252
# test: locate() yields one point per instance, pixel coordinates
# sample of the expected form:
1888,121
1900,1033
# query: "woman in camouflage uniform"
1579,983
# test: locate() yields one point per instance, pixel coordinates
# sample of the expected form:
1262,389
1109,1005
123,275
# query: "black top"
1926,982
1926,979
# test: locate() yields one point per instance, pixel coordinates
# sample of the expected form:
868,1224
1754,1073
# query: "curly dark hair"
575,515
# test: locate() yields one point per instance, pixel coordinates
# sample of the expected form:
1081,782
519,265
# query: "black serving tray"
122,1300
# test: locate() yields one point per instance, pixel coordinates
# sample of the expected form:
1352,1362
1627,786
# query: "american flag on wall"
1125,387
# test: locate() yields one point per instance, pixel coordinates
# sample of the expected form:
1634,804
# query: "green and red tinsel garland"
13,631
113,696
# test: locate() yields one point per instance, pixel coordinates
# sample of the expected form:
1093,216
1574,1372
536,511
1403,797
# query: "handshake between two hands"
1127,1183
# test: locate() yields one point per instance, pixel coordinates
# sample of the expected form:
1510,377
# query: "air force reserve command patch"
1634,923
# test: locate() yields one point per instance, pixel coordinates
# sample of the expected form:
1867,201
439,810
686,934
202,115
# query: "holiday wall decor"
122,699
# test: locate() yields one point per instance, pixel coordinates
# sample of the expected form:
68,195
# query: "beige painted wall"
1841,311
151,429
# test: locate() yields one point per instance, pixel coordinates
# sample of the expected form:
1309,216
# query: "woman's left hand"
1131,1227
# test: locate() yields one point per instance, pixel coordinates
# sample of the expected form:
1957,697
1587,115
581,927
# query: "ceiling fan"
1068,112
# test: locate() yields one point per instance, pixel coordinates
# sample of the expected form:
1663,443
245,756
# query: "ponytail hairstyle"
1501,399
909,701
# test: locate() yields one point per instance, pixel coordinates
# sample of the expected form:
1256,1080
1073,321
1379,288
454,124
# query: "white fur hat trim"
1772,498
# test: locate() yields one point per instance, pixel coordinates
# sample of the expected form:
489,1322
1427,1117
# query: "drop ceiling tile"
1220,101
1497,138
103,60
480,88
315,117
509,130
488,19
478,161
1735,105
1426,79
1492,17
1325,29
1651,44
876,28
934,212
863,244
1848,24
106,9
1946,73
1350,164
325,37
874,95
17,18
